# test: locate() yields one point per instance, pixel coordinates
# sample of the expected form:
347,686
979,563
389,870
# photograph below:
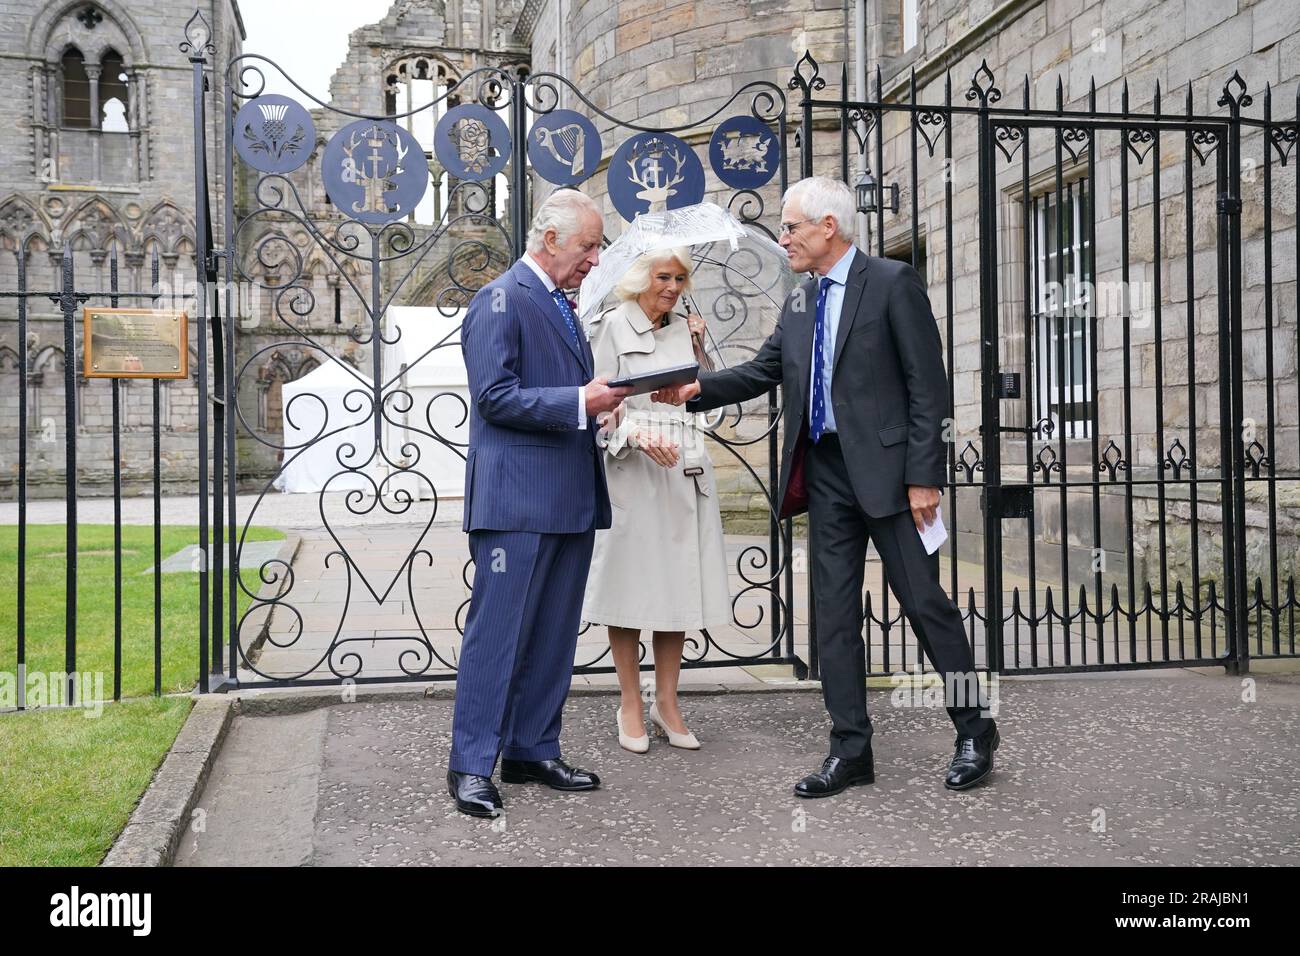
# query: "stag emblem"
373,171
657,171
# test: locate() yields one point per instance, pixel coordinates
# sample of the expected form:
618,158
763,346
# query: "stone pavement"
1162,768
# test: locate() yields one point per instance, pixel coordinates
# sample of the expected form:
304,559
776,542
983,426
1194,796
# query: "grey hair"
562,211
820,196
637,278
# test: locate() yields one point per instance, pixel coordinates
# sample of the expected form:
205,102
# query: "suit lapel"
801,336
549,309
852,300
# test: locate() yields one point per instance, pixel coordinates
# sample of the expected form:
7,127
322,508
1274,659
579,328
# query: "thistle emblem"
274,134
273,119
275,140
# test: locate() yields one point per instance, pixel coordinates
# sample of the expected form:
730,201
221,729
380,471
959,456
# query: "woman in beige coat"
662,566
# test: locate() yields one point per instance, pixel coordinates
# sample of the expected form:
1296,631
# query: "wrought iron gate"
376,261
1091,393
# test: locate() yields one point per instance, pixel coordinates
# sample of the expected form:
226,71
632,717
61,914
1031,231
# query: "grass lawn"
46,586
68,782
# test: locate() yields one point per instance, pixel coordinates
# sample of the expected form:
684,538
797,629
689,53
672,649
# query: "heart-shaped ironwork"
392,500
1138,138
1205,137
861,123
933,118
1283,138
1076,134
1014,135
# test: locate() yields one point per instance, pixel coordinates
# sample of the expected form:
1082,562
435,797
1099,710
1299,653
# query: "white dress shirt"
550,288
839,276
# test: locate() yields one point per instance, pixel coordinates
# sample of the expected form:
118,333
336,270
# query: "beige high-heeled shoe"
685,741
638,745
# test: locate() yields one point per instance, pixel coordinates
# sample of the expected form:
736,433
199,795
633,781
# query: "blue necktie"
569,317
818,414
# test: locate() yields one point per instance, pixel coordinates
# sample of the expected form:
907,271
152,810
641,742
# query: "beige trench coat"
662,565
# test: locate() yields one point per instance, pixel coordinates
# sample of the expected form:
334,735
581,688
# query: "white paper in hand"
935,534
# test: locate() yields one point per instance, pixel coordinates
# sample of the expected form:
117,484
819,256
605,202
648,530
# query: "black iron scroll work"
739,299
278,207
372,236
1069,620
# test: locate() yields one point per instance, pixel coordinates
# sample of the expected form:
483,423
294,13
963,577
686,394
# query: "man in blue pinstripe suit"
534,496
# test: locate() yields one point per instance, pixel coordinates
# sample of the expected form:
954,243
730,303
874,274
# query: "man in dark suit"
865,394
534,496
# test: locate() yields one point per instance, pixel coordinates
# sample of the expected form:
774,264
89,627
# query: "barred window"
1064,392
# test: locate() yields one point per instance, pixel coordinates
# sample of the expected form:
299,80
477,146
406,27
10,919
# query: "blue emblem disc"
274,134
564,147
472,142
374,171
654,171
744,152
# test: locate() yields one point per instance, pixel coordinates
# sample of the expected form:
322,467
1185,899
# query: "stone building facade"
97,111
673,64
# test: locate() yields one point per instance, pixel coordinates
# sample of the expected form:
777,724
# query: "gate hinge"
1229,205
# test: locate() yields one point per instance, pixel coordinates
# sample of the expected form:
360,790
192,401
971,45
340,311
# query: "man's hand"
676,394
923,502
601,398
656,446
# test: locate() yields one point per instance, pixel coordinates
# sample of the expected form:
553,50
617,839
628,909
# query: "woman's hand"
695,324
656,446
609,421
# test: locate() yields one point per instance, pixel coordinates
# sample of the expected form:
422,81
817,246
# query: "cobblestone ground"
1168,768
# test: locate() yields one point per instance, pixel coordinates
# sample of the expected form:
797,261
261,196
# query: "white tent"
426,361
320,398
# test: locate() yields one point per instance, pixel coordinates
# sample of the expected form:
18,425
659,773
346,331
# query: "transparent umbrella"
702,224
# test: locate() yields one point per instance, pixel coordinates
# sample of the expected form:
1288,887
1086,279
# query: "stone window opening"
411,83
114,94
76,90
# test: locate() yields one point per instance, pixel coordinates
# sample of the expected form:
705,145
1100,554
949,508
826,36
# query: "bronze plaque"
136,343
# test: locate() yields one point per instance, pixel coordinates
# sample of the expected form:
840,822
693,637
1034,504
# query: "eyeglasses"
788,227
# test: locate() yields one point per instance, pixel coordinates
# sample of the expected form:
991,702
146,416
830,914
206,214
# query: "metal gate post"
1229,212
990,427
519,168
198,43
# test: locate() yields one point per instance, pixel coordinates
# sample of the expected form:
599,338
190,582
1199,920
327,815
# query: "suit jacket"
529,467
889,388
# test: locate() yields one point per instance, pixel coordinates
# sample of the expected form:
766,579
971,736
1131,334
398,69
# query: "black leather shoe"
973,760
556,774
473,794
836,774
